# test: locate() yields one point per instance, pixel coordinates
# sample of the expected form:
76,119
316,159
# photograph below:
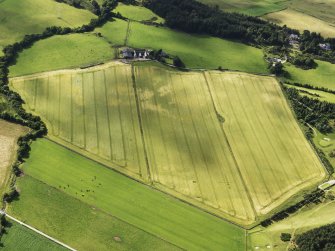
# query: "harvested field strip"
272,149
9,133
177,112
92,110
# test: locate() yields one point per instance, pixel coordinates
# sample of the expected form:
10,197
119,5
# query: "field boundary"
140,124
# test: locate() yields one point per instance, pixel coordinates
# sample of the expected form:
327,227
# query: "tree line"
312,111
192,16
319,239
91,5
313,197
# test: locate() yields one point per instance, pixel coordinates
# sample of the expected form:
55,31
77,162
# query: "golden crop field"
91,110
274,158
9,133
226,142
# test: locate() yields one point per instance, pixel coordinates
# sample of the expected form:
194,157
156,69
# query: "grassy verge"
20,238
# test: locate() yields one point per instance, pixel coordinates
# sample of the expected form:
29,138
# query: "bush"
178,63
285,237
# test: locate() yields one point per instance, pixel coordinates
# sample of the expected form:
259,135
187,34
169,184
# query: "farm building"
294,40
129,53
325,47
327,185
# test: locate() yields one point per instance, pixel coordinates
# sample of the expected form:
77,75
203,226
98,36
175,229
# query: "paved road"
37,231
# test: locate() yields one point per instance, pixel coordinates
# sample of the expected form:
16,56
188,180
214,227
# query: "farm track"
163,127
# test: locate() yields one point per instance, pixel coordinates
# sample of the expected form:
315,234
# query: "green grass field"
98,113
322,76
79,225
137,13
115,32
195,51
249,7
59,52
20,238
34,16
124,198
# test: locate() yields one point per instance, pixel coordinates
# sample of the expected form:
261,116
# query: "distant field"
20,238
300,21
322,76
9,133
79,225
111,192
137,13
320,95
22,17
59,52
249,7
186,132
321,9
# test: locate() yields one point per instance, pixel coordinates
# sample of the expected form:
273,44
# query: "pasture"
9,134
115,32
159,127
301,21
20,238
34,16
249,7
137,13
194,50
322,76
128,200
78,224
59,52
94,110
